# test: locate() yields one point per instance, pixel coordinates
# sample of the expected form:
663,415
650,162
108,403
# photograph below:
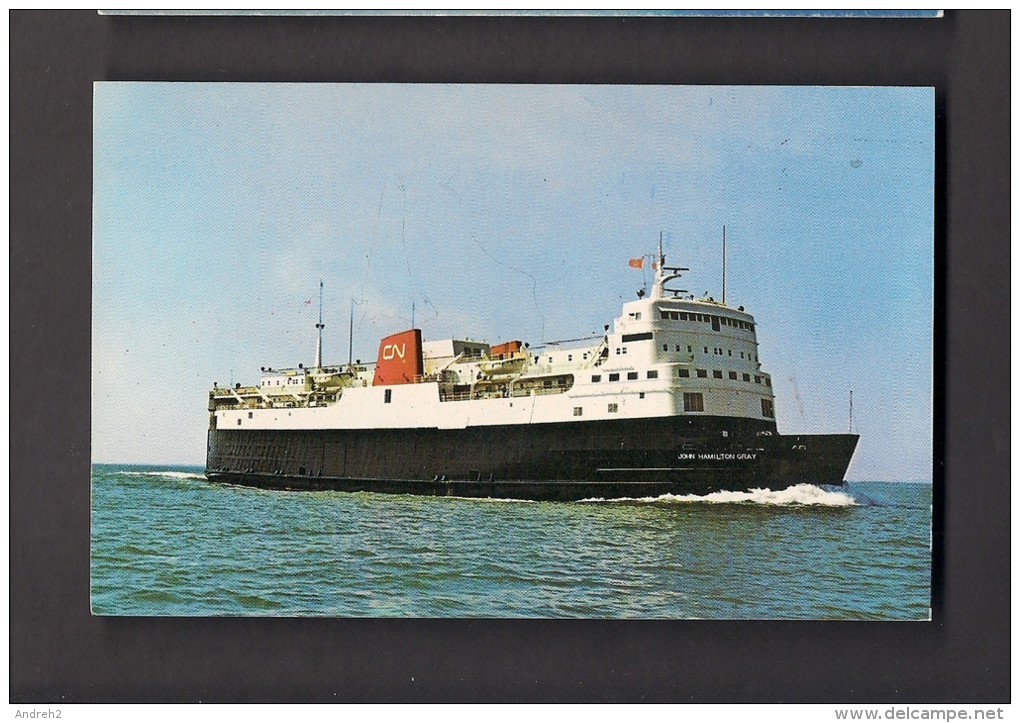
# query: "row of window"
686,373
707,319
718,374
631,376
717,351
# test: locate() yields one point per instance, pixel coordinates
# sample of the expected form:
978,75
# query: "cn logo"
391,351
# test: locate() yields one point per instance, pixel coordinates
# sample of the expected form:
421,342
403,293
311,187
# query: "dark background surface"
58,652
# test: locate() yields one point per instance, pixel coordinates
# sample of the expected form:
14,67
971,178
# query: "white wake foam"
802,494
167,473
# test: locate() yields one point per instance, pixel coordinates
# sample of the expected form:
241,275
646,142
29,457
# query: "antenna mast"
851,430
724,264
320,326
350,337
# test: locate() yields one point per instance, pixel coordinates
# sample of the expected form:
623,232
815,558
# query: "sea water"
165,541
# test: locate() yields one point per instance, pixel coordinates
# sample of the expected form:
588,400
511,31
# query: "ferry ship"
671,400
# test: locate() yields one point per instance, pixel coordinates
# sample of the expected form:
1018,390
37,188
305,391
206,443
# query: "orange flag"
637,263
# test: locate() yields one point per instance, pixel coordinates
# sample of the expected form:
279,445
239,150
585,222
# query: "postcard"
512,351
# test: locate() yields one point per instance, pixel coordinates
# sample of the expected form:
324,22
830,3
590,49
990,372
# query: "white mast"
660,272
320,326
664,274
724,265
350,338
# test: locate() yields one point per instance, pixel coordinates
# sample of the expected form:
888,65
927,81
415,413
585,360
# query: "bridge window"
653,374
613,408
683,372
717,373
614,377
694,402
578,411
632,375
702,374
387,396
733,375
665,347
596,378
767,409
747,377
757,380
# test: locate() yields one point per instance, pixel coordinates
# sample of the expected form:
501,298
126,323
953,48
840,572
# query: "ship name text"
718,455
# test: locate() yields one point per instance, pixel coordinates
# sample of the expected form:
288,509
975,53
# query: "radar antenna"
664,274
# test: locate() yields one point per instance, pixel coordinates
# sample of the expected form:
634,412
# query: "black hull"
569,461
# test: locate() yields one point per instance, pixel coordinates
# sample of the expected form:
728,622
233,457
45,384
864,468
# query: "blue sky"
507,212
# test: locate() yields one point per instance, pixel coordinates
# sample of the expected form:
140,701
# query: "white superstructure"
668,354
